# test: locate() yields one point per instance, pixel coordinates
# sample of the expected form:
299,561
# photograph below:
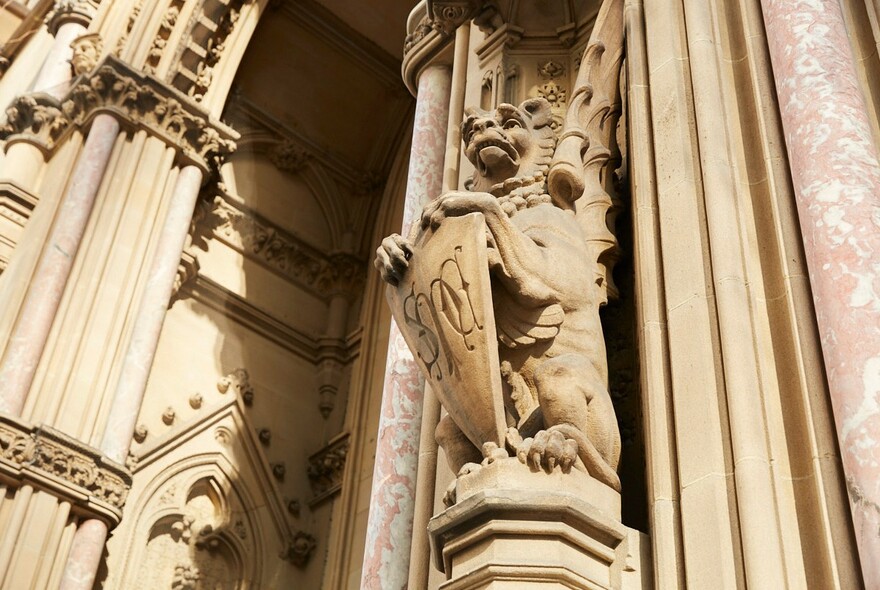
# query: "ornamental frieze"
318,272
52,461
137,100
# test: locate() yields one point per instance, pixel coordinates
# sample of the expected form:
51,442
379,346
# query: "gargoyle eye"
511,124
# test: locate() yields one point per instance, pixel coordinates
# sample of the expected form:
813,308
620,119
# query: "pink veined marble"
53,269
91,535
85,556
836,176
389,530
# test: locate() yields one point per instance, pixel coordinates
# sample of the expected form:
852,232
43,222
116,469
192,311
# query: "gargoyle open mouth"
494,152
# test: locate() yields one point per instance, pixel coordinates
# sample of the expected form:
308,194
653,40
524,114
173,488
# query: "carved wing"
581,174
520,326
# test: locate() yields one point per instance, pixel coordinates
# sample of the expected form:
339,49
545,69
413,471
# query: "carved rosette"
63,466
138,101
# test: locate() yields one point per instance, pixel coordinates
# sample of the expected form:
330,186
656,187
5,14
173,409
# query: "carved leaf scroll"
581,175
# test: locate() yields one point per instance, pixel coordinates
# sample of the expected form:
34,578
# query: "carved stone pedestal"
512,528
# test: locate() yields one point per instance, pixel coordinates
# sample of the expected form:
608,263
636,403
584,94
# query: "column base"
513,528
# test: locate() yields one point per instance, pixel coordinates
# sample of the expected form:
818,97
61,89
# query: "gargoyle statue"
544,294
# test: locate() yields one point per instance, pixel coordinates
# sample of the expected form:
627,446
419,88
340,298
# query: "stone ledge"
516,526
67,468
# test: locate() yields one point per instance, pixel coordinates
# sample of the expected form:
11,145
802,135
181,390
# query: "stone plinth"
514,528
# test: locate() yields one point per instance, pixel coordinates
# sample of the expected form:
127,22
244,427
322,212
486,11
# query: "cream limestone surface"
206,382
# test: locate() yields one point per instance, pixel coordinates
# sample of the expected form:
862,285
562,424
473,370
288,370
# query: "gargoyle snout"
483,124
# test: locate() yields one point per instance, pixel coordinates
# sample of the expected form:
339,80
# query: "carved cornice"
263,132
326,468
63,466
137,100
257,238
223,301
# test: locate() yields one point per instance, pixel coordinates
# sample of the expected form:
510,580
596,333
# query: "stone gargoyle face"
509,142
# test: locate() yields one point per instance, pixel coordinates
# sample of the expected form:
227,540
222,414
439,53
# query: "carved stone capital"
137,100
63,466
447,15
71,11
325,275
430,31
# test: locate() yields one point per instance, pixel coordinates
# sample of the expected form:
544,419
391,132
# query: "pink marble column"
91,535
150,316
50,276
836,176
389,530
85,556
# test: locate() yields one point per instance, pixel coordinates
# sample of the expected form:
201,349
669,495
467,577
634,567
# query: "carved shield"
443,307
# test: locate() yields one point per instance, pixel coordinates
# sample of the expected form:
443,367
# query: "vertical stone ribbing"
150,316
836,176
50,277
91,535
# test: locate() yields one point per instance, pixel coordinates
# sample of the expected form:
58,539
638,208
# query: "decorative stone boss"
496,293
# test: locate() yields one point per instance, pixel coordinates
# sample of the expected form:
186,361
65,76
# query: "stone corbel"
49,460
326,468
138,101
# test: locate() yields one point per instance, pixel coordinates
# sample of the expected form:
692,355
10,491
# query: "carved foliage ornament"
51,460
138,101
300,549
322,274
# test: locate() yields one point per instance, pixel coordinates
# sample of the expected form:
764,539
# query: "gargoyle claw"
547,450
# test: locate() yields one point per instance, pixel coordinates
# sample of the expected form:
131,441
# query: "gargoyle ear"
539,110
471,114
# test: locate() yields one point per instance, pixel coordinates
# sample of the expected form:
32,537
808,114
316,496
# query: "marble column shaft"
392,501
150,316
53,269
91,535
836,177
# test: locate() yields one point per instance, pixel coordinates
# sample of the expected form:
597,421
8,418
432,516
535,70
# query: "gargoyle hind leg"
456,445
575,402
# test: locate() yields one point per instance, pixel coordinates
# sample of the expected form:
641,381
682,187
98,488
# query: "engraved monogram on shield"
450,301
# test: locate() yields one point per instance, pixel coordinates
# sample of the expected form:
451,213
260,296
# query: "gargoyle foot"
449,498
546,450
